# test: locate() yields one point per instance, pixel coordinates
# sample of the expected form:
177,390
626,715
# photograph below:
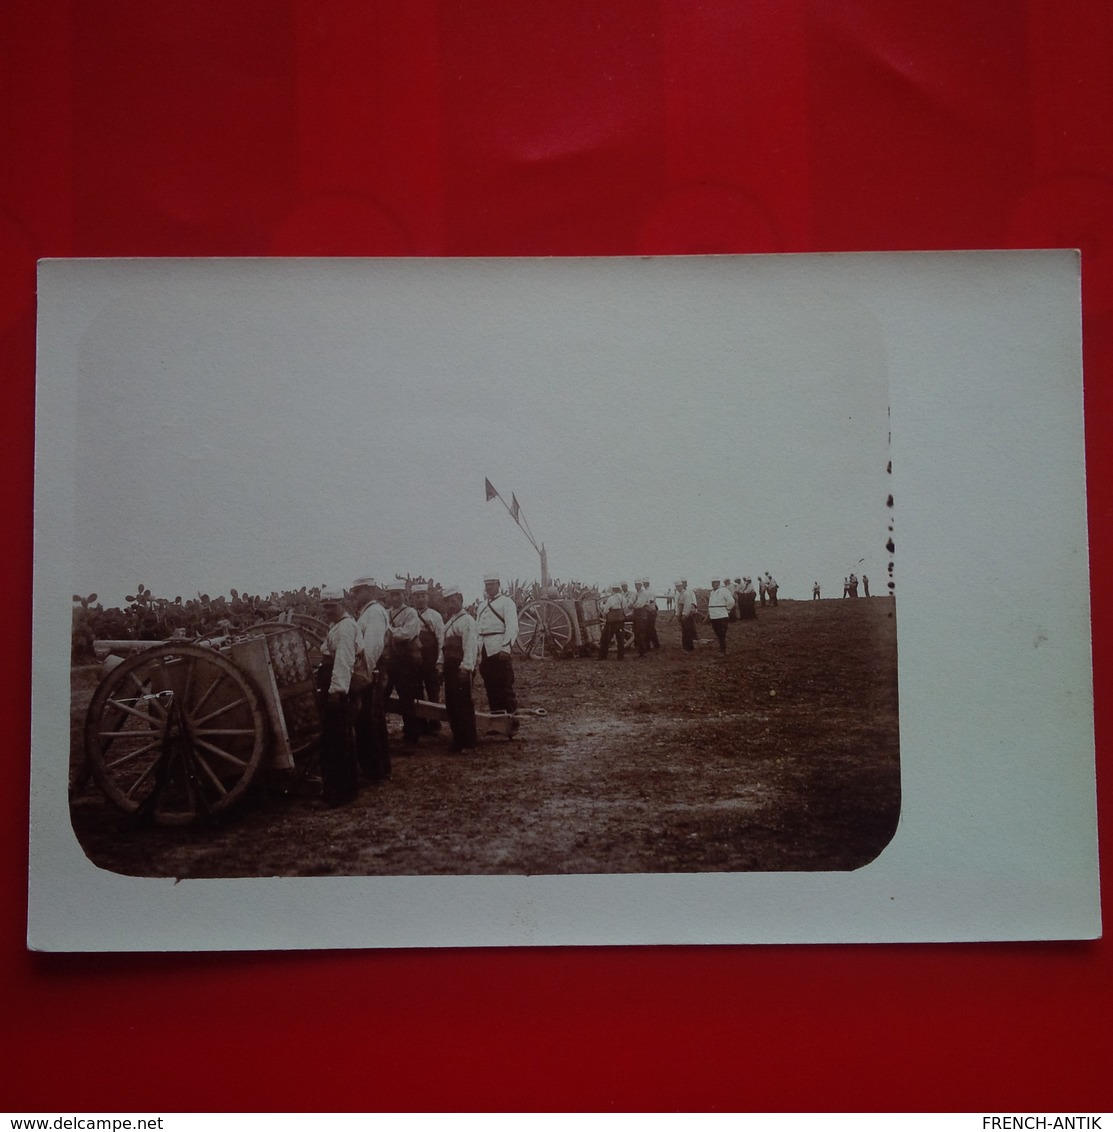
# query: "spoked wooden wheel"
175,732
545,631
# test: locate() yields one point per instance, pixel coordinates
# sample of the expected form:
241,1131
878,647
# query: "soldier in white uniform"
461,653
651,610
403,664
372,742
339,773
639,612
686,611
497,629
431,638
613,611
771,587
719,604
745,600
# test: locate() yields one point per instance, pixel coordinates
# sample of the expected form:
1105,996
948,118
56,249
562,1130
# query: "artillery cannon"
555,628
180,730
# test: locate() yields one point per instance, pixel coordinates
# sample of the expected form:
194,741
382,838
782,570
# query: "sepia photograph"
482,568
313,637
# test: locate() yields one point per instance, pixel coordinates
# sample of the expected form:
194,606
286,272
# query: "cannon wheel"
545,631
175,733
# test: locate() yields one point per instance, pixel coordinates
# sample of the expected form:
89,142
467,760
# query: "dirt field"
782,755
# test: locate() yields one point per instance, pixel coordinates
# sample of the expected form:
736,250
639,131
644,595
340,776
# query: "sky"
268,424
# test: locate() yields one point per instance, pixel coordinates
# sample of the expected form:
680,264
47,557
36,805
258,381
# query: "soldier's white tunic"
719,603
373,623
462,625
496,624
431,619
343,642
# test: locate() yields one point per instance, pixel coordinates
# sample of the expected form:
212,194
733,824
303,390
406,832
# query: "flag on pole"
514,506
491,493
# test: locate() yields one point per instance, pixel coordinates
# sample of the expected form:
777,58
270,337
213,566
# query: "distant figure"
614,620
866,585
815,591
771,587
719,604
761,589
639,612
651,612
853,585
745,600
686,611
846,587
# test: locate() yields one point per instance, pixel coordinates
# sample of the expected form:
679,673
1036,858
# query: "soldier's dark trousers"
372,743
654,641
339,775
430,678
719,626
641,631
459,704
498,678
688,631
615,630
404,677
746,610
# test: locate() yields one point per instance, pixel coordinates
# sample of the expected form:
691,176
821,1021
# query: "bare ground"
782,755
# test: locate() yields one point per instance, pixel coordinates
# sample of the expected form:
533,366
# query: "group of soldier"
850,585
391,647
728,601
639,608
386,645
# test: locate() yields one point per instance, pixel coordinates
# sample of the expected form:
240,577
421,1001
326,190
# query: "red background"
306,127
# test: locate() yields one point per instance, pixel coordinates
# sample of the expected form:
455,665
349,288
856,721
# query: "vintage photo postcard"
561,601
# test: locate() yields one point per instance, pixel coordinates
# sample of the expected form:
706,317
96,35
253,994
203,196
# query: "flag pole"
492,493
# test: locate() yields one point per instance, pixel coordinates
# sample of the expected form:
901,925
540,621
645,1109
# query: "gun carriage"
558,628
180,730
